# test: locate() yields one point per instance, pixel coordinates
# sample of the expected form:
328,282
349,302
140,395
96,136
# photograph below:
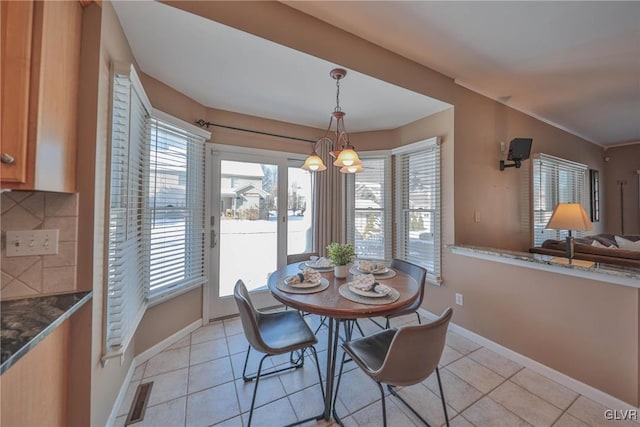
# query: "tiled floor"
197,382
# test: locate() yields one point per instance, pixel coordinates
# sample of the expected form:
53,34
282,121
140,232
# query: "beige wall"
583,328
623,165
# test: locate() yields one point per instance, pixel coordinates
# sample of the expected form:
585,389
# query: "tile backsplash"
43,274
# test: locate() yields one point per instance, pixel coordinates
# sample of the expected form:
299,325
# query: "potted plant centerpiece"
341,256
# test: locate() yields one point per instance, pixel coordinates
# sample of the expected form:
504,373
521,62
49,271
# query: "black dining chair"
400,357
273,333
419,274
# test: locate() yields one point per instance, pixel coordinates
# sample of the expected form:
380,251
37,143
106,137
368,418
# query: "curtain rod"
206,124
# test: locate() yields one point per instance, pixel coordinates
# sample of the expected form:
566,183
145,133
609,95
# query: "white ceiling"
227,69
573,64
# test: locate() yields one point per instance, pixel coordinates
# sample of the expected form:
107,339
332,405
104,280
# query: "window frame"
434,274
386,209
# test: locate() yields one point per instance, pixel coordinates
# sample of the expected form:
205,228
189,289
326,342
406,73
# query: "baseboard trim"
156,349
143,357
586,390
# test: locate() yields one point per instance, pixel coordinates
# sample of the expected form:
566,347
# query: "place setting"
378,269
317,263
306,282
365,289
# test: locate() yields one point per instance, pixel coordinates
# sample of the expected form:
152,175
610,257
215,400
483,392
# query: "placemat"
392,296
388,275
324,284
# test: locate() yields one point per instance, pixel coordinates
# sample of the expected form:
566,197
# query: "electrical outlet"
459,300
32,242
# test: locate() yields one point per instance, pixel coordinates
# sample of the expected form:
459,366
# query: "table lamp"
569,216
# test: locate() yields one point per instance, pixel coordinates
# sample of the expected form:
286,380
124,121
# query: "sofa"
605,250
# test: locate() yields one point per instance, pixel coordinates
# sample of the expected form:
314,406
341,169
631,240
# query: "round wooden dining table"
336,309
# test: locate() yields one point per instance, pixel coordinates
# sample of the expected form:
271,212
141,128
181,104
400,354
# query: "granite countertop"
26,321
629,276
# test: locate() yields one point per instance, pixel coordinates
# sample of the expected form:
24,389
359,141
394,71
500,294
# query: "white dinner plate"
370,294
313,265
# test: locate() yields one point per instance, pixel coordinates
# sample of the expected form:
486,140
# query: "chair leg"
244,369
387,325
335,395
315,356
246,379
384,405
397,396
359,328
444,404
323,321
255,387
419,321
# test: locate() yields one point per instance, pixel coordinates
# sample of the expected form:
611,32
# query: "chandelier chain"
337,96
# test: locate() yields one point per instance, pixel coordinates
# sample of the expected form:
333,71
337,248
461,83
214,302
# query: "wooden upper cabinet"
40,71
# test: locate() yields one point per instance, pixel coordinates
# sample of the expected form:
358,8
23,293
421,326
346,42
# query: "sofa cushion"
628,244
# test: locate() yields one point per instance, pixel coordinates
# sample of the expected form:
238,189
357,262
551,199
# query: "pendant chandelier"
341,148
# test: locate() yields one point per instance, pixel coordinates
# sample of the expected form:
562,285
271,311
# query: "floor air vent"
139,404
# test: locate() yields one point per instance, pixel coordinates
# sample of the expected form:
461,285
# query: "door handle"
214,239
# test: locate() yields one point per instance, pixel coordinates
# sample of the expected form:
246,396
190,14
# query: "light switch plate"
32,242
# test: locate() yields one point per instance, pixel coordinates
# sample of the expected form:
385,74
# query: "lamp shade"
569,216
351,169
347,157
314,163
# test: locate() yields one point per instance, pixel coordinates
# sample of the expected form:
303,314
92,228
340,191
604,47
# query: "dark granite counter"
26,321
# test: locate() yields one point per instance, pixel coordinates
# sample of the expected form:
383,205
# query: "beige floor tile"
168,386
237,344
460,421
449,355
372,415
208,350
275,414
487,412
269,390
357,390
475,374
496,362
550,391
210,374
237,361
208,332
298,379
425,403
233,422
567,420
307,403
212,406
526,405
592,413
167,414
232,326
168,360
460,343
458,393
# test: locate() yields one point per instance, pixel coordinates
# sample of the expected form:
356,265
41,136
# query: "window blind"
555,180
176,207
127,261
418,205
369,225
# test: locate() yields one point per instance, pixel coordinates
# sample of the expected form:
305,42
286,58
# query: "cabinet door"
17,25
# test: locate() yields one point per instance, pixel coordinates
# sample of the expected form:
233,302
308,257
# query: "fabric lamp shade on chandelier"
345,155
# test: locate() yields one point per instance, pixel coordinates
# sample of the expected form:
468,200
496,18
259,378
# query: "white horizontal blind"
555,180
177,208
418,206
127,261
369,225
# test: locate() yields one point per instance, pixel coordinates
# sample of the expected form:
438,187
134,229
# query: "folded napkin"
309,275
366,282
322,262
370,266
